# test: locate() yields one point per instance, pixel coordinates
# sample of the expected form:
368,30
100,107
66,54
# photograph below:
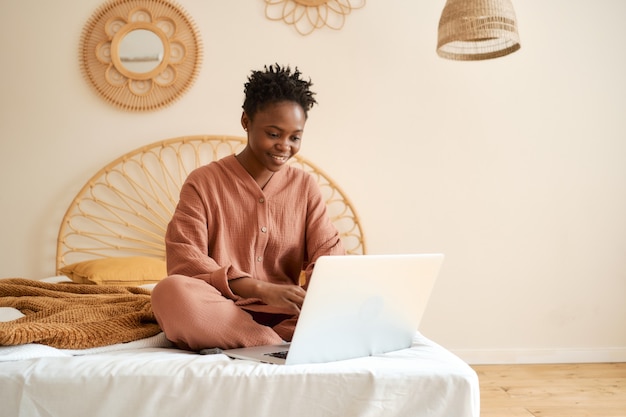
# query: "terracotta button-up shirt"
225,227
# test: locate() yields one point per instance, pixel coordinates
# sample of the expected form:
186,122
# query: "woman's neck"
257,171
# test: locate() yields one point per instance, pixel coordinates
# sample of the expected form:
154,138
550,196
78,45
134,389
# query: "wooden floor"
577,390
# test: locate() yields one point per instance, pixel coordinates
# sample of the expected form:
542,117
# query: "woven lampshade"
473,30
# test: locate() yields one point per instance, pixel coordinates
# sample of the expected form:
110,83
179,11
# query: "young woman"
244,229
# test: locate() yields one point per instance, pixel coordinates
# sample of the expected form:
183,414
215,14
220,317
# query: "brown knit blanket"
75,316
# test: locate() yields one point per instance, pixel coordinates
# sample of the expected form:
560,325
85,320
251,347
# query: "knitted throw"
75,316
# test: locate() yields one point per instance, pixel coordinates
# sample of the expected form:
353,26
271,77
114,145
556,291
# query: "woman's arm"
187,236
322,236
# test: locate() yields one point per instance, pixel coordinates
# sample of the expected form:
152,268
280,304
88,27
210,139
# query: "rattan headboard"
123,210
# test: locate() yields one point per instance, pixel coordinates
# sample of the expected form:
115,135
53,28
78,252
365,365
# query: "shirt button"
264,229
259,258
261,200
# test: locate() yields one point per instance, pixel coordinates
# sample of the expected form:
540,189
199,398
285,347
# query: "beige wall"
514,168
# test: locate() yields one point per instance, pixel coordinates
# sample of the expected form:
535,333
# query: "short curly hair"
276,84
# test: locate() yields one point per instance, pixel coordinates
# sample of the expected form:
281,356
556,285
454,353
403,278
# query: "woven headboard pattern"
124,209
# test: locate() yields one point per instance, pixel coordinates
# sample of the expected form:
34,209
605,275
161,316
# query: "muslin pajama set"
226,227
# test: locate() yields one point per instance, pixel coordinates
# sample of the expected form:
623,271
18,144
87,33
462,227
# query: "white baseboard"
530,356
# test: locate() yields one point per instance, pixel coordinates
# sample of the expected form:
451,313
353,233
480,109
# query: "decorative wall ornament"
140,54
308,15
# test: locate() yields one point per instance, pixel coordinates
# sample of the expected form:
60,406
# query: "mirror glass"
141,51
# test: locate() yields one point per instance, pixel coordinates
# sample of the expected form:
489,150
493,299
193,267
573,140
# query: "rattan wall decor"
473,30
140,55
308,15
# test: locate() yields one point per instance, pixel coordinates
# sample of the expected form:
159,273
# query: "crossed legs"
194,316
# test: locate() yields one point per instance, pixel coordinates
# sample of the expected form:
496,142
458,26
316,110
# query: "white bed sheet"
425,380
150,378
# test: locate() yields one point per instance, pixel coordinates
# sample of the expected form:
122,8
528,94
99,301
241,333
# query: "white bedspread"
425,380
150,378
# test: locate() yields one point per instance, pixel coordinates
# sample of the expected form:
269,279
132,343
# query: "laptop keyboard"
281,354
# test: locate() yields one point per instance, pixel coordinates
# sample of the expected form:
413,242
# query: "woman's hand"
285,297
288,297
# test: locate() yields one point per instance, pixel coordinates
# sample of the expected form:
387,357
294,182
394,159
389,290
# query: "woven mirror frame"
140,55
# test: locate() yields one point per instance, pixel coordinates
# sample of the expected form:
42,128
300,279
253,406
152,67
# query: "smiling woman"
245,228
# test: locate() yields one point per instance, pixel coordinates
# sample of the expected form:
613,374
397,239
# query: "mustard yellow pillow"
124,271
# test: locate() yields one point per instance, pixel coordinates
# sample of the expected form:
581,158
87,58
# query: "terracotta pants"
194,316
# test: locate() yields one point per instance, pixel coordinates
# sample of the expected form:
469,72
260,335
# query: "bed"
112,237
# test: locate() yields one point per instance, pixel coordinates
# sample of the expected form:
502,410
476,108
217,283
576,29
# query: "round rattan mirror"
140,55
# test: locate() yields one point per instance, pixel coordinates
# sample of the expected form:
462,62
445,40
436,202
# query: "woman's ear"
244,121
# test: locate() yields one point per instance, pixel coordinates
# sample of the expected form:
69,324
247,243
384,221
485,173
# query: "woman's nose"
283,144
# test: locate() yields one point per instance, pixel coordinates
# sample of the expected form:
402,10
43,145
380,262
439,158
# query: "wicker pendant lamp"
473,30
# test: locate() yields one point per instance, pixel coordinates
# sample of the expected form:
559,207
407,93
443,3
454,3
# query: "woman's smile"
279,158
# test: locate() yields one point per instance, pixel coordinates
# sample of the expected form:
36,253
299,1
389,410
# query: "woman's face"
275,134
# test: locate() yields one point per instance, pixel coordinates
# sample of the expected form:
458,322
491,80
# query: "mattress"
149,377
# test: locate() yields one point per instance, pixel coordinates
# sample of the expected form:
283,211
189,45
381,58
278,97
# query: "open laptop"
356,306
